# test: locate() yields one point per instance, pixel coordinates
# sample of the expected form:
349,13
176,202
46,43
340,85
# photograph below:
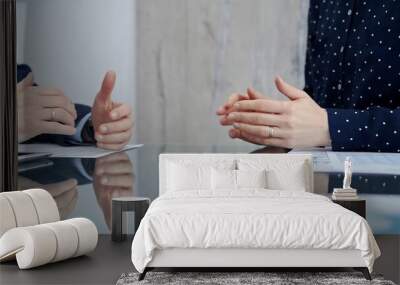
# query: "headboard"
165,158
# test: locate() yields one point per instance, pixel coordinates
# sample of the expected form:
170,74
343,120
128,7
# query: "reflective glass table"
86,187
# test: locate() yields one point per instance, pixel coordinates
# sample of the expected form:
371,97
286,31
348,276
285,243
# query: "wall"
193,54
71,44
21,9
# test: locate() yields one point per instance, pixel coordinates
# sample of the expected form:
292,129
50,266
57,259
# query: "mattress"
251,219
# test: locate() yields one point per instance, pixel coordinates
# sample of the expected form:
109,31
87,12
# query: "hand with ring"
43,111
298,122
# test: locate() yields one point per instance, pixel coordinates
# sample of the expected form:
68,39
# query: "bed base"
363,270
239,260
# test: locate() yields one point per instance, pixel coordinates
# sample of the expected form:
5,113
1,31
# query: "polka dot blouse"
353,70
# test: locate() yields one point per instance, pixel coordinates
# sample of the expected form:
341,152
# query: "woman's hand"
226,109
299,122
112,121
43,111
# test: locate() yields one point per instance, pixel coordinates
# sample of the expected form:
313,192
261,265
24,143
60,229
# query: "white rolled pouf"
87,233
26,208
23,208
46,207
37,245
7,218
32,246
67,240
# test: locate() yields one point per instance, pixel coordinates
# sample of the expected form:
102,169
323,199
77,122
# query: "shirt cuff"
77,137
348,129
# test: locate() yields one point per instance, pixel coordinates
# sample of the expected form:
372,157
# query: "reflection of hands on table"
112,121
113,177
299,122
64,193
43,111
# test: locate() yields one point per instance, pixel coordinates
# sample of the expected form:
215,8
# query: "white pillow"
237,179
223,179
295,180
251,178
187,174
182,177
283,174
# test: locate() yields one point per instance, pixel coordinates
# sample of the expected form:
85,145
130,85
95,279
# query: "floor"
110,260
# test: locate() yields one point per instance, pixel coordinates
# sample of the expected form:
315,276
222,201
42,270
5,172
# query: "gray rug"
231,278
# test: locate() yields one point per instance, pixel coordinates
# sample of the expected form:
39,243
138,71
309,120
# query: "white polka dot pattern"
353,70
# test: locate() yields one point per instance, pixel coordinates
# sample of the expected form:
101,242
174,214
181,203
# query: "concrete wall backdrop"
186,56
71,44
192,54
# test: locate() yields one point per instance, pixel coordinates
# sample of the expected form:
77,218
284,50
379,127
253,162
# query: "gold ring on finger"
268,131
271,132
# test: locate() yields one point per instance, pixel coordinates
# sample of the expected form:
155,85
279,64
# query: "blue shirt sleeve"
373,129
22,71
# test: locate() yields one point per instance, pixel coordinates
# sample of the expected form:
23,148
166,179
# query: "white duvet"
250,219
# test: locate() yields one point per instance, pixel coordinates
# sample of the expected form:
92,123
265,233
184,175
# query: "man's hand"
113,177
112,121
43,111
299,122
64,192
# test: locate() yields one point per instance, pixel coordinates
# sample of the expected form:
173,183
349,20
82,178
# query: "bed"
247,211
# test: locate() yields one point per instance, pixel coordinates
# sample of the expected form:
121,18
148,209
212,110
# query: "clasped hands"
255,118
48,111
